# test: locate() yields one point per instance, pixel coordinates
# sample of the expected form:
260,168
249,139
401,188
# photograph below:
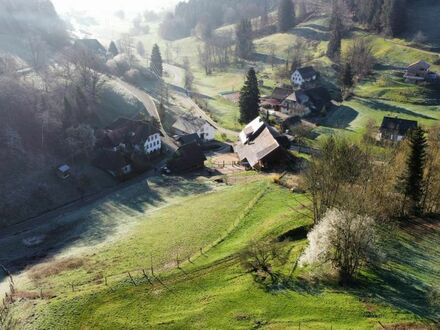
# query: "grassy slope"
214,293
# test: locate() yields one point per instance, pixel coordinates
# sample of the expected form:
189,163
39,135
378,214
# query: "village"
129,147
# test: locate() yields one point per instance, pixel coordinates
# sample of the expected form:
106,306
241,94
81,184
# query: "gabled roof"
307,72
187,157
297,96
190,124
251,130
189,138
319,96
127,131
258,149
280,93
398,125
420,65
91,44
110,160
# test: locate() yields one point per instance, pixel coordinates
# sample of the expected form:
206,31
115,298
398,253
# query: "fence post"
151,265
131,278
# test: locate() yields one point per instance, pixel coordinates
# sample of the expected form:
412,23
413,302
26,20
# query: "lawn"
213,291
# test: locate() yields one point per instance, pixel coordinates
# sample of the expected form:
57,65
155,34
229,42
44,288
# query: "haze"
112,5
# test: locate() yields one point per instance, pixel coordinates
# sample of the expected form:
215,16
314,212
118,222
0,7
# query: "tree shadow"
387,67
309,32
338,117
94,223
384,107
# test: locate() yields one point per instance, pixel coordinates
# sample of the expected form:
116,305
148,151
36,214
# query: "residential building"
304,75
114,163
259,146
419,72
188,157
395,129
307,101
92,46
195,125
131,136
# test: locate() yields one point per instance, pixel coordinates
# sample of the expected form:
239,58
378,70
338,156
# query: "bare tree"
38,51
360,56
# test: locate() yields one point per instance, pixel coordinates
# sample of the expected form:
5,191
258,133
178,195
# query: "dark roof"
110,160
127,131
189,138
280,94
401,126
186,158
319,96
91,44
190,124
307,72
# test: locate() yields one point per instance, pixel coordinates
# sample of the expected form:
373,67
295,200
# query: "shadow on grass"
339,117
96,222
380,106
309,32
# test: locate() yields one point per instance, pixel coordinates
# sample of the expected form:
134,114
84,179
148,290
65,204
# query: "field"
212,291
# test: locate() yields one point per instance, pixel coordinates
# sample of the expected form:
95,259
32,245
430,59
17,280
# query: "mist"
110,6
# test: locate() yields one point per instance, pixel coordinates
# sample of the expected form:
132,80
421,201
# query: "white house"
153,143
186,125
304,75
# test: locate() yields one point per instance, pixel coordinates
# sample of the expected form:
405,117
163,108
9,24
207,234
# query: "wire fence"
137,276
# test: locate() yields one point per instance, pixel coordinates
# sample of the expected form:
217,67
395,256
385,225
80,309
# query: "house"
419,72
304,75
307,101
130,136
319,99
114,163
280,93
395,129
188,157
189,138
63,171
259,146
92,46
189,125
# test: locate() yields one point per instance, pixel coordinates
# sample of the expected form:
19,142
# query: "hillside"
213,291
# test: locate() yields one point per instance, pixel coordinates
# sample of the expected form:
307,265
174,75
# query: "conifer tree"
393,17
347,78
245,44
249,98
336,27
112,49
286,15
156,63
415,166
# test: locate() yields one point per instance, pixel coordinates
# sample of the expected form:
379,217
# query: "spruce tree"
249,98
112,49
336,27
156,63
347,77
286,15
393,17
245,44
415,166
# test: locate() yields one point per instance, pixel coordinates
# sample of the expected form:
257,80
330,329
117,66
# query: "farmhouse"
114,163
130,136
187,158
259,145
92,46
194,125
307,101
395,129
419,72
280,93
304,75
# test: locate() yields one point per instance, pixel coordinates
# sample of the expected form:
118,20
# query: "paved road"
150,106
176,84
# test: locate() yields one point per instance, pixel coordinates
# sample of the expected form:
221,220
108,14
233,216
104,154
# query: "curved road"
177,76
